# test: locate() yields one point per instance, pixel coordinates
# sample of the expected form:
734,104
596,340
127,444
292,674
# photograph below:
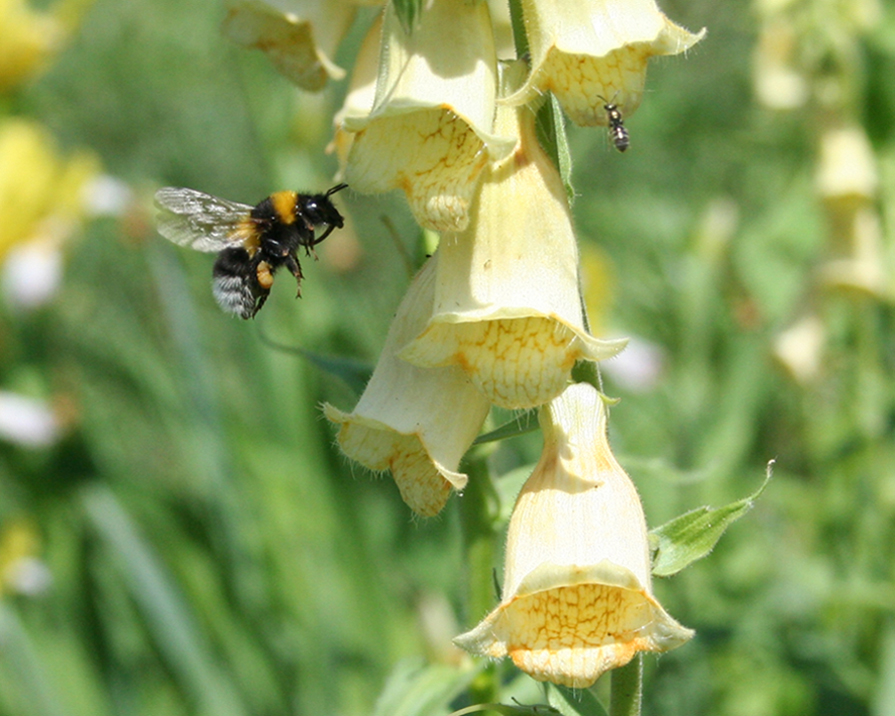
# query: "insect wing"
201,221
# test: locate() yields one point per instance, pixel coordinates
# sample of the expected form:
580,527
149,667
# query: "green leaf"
551,130
25,669
354,373
417,689
510,710
525,423
168,617
408,12
574,702
690,537
520,38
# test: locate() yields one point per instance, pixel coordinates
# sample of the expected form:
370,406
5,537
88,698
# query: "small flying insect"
617,132
252,242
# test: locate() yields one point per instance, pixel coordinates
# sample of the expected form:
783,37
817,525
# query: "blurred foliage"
208,550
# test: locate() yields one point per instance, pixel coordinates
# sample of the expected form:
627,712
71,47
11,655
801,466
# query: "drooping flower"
507,308
361,92
300,37
577,599
415,422
592,52
430,130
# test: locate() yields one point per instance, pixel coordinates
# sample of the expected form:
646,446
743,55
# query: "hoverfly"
252,242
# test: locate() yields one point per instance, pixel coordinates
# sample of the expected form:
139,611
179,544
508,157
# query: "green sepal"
551,130
408,12
525,423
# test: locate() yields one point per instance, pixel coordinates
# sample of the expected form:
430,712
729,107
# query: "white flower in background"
27,421
577,599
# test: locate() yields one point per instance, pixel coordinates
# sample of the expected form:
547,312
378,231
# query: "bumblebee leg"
291,263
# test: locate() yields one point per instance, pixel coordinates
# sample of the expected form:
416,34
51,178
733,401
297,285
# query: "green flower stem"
627,689
477,523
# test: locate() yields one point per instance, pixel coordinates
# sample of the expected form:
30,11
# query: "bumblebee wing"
201,221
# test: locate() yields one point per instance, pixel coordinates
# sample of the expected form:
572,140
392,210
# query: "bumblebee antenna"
337,187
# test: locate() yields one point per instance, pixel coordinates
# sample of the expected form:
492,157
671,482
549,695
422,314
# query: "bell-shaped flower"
429,132
300,37
507,306
593,52
361,92
577,599
416,422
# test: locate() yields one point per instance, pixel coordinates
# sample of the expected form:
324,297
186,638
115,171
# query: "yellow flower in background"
21,569
27,39
430,131
507,308
41,193
415,422
577,599
592,52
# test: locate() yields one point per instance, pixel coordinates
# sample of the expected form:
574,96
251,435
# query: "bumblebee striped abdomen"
235,284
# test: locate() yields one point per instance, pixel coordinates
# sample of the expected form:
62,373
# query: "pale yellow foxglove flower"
415,422
592,52
577,599
300,37
429,132
361,92
507,308
848,182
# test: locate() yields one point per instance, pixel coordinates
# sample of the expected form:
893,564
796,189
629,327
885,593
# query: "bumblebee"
617,132
252,242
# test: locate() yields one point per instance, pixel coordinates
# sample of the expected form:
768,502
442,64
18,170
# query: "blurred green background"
189,541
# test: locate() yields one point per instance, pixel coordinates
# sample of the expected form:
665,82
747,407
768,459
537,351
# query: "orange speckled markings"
421,485
518,362
558,633
579,80
432,156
